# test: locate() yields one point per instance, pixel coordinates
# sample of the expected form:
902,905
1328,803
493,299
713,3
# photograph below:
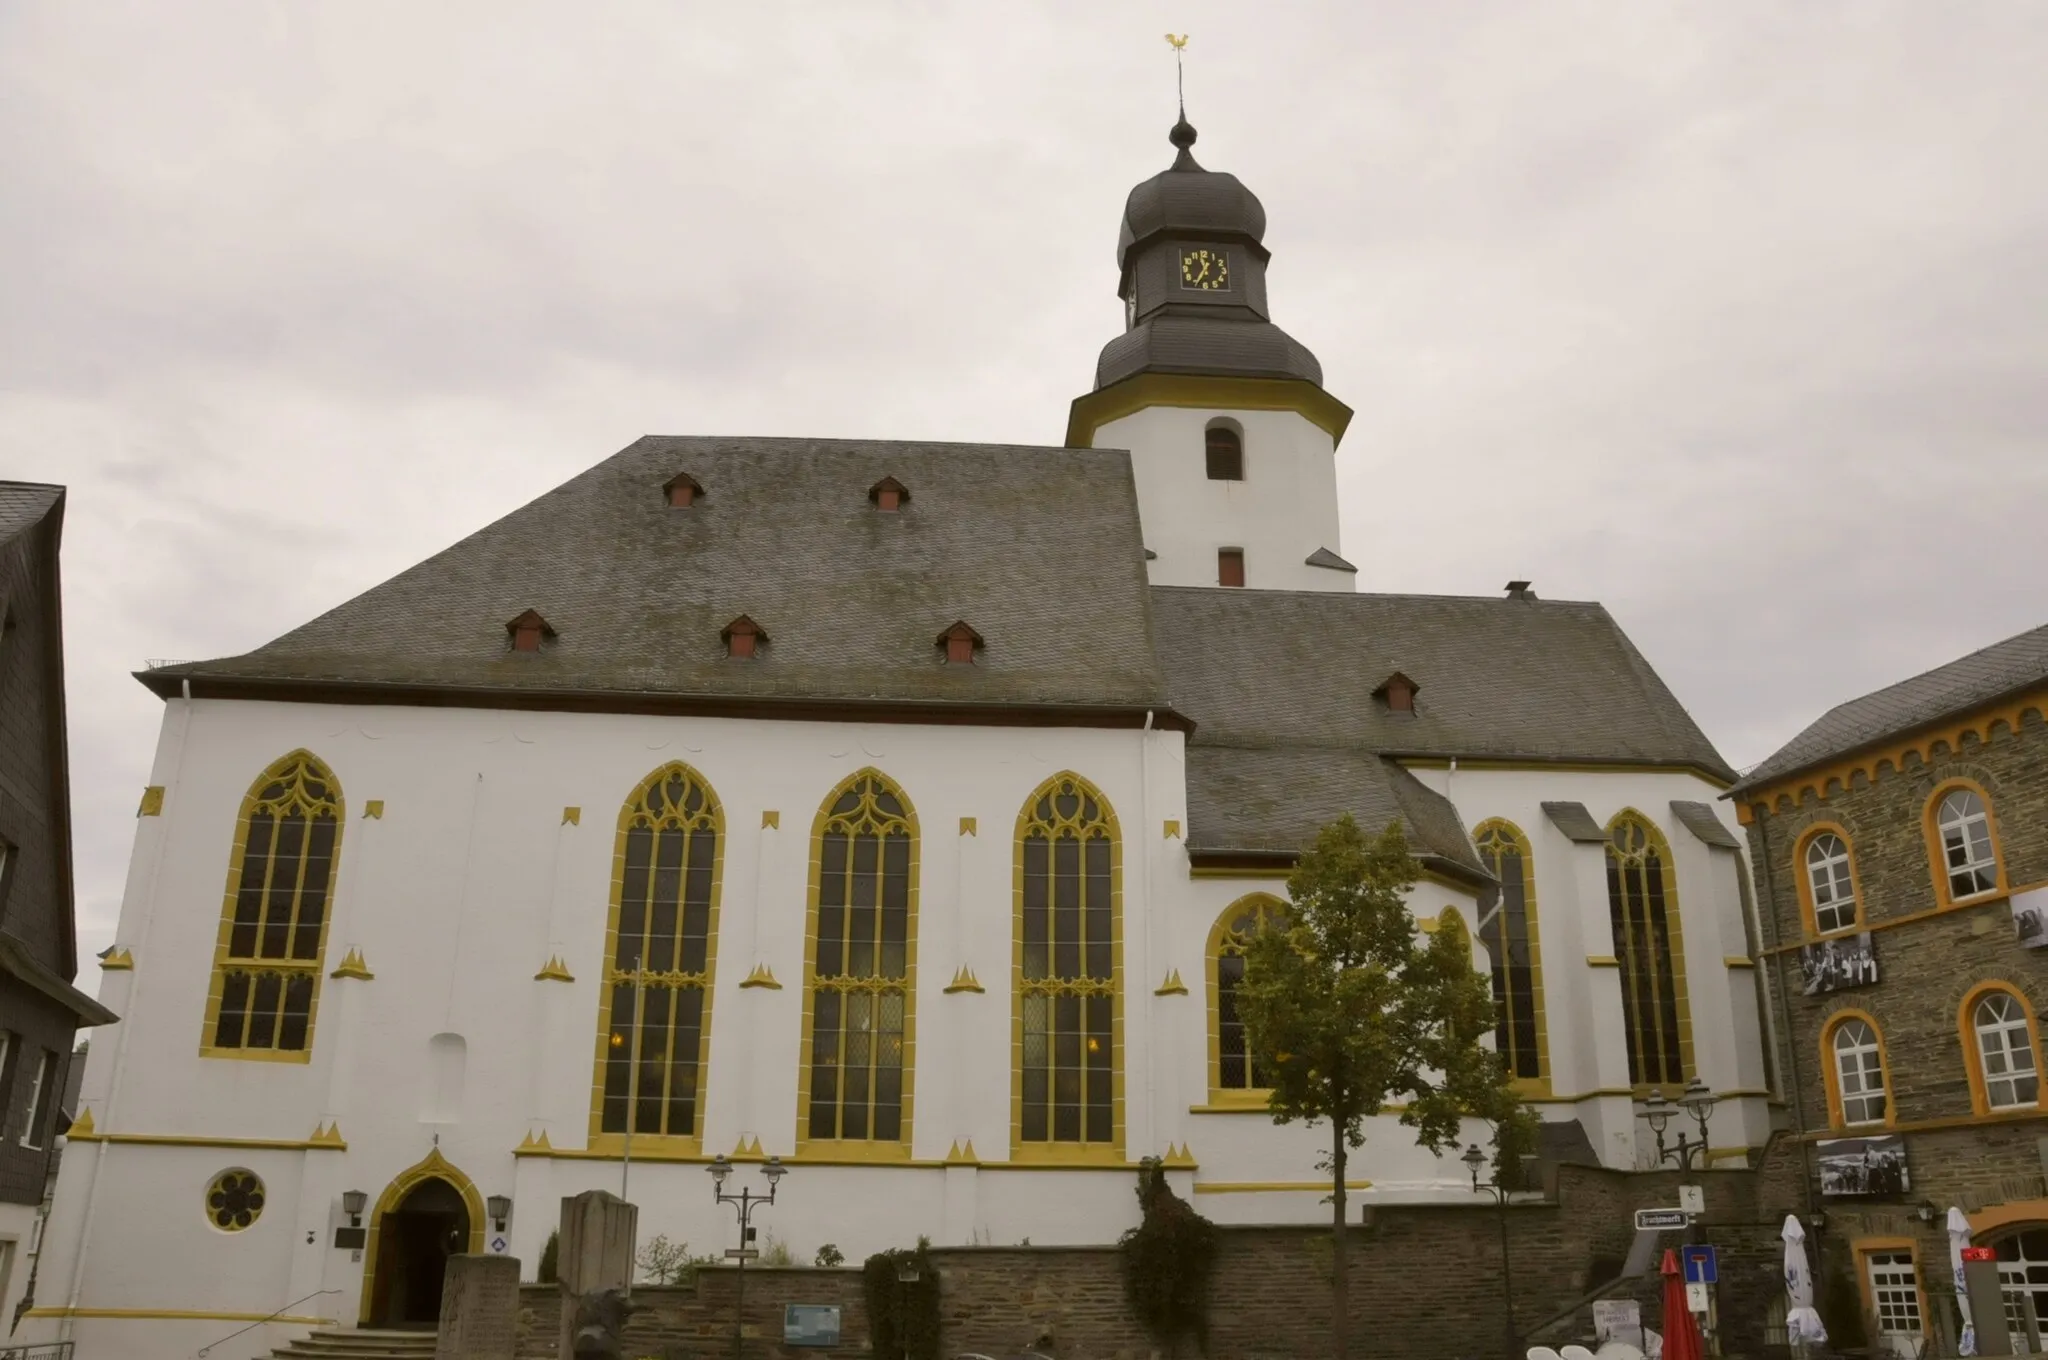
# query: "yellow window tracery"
1067,1085
1507,927
266,971
660,956
1642,902
1234,1073
860,970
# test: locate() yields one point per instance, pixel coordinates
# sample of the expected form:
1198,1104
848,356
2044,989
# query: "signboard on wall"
1836,963
1618,1320
1863,1166
810,1324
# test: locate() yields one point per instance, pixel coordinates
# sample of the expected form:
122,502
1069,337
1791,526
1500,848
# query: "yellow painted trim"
1173,986
328,1136
338,805
863,1149
962,1156
1831,1074
431,1167
1265,906
1172,829
967,826
647,1144
1487,836
748,1149
531,1145
1997,899
771,820
1937,862
1271,1187
352,966
1574,1098
1602,961
81,1127
1973,1051
1861,1247
1737,961
1179,1159
181,1315
964,981
1090,413
325,1139
1823,781
572,816
373,809
554,970
1054,1152
118,960
1995,1216
762,976
152,804
1674,925
1229,1104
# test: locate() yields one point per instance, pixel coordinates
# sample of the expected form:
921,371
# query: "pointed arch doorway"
430,1212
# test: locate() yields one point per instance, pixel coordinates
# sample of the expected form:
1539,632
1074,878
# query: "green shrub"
548,1271
903,1319
1168,1260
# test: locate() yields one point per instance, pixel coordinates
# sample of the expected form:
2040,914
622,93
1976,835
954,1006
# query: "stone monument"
594,1254
479,1309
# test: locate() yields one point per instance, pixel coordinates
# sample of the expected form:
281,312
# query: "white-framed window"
6,1083
1834,891
1859,1073
40,1093
2011,1078
1895,1298
1966,844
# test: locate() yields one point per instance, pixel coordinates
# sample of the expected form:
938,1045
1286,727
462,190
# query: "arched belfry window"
1069,971
660,952
273,926
1642,905
1235,1075
1223,447
1507,927
860,970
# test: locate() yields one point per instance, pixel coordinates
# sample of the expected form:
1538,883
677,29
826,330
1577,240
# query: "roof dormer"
960,643
682,491
743,637
529,631
1399,693
889,495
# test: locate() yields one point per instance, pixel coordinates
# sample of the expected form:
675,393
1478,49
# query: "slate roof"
2004,668
1525,680
1175,343
23,505
1036,548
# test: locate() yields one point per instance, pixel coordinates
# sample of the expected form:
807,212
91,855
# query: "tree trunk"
1340,1322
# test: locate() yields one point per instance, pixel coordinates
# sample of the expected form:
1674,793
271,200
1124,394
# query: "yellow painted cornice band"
1271,1187
1091,412
116,960
152,804
181,1315
324,1139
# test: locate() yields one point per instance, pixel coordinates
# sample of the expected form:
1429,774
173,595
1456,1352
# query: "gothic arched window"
860,976
1507,927
1068,975
273,926
1234,1073
660,956
1642,906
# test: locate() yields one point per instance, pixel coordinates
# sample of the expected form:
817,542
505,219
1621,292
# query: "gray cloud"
1733,317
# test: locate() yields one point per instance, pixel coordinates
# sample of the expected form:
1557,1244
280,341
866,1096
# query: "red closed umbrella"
1681,1335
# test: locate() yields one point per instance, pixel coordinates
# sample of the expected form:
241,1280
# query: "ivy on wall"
1168,1260
903,1316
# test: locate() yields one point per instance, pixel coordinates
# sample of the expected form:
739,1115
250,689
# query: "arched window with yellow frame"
1642,904
1853,1066
1067,1026
1235,1076
660,958
2001,1047
1507,927
854,1077
1825,868
1962,840
273,924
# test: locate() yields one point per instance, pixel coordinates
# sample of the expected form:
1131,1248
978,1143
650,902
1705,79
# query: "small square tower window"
1225,454
1230,566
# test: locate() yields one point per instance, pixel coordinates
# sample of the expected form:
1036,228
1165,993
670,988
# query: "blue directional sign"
1701,1265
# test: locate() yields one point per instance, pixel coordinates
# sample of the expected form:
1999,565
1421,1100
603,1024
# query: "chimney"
1519,590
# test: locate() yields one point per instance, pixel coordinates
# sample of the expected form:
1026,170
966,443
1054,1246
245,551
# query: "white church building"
896,809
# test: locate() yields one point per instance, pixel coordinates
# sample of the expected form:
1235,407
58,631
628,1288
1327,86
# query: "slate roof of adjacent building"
23,504
1992,673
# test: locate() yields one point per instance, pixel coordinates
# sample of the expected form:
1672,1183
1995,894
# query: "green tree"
1350,1010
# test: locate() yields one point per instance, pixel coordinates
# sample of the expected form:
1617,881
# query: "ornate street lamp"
744,1204
1474,1160
1697,1102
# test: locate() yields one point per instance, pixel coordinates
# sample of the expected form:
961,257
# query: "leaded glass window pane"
1067,997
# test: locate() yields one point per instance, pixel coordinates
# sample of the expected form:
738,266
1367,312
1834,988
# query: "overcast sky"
1733,316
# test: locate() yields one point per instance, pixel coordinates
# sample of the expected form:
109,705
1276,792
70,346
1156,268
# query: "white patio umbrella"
1802,1324
1958,1238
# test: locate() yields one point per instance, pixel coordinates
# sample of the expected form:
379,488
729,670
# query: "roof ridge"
1242,591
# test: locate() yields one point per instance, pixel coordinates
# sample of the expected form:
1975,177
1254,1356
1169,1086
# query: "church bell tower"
1232,438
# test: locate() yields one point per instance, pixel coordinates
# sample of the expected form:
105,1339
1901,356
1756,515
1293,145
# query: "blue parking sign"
1701,1267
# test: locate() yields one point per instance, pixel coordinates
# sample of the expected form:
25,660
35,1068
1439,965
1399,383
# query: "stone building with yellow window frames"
900,810
1908,830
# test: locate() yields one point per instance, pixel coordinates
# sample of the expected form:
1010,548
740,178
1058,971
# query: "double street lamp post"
1474,1160
1697,1102
744,1204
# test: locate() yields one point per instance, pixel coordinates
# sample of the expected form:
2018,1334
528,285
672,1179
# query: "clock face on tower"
1206,268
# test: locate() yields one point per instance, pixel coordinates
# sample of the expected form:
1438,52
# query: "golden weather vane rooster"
1179,42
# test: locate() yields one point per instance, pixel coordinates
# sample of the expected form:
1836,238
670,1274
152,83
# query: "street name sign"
1647,1219
742,1253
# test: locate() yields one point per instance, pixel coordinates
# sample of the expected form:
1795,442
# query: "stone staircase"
335,1343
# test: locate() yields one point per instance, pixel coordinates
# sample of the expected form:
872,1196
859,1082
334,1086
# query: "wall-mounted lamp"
353,1202
1925,1211
1817,1220
499,1207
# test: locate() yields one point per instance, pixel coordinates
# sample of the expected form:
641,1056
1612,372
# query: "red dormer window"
528,631
743,637
682,491
889,495
1399,692
961,643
